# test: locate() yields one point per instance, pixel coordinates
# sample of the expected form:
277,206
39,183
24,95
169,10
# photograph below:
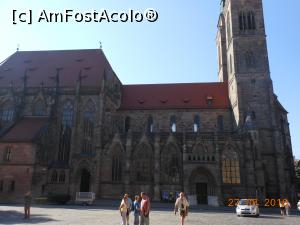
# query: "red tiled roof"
170,96
25,130
43,64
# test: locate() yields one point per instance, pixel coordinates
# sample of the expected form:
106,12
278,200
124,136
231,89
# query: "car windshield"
243,202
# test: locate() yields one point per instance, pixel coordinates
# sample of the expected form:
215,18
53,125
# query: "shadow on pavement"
270,217
16,217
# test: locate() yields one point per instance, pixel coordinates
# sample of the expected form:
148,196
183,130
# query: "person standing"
137,210
27,204
130,207
282,209
145,209
287,207
182,206
124,210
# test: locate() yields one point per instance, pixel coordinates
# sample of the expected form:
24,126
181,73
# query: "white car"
247,207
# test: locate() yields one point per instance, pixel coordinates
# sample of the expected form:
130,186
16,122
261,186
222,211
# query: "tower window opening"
127,124
196,124
173,124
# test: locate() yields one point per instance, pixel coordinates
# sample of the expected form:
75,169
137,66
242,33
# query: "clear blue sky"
179,47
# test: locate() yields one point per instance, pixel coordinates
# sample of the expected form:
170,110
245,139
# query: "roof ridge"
63,50
191,83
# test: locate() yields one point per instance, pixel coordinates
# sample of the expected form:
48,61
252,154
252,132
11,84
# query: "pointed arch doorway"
203,185
85,181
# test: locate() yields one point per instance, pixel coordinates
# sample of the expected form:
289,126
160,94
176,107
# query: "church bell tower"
243,61
244,64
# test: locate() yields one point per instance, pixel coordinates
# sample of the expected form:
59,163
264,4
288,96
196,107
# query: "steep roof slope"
41,65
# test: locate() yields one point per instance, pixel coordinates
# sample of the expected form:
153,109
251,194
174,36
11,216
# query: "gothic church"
68,124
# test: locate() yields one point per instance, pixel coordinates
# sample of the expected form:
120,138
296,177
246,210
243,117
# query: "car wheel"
257,215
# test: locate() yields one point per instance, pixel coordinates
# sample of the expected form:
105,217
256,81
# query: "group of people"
141,209
284,207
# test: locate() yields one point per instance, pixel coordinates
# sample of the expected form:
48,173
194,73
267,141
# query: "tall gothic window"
54,177
62,177
143,164
220,122
127,124
171,165
7,112
251,21
249,59
150,125
173,124
230,168
116,168
65,132
7,154
247,21
88,127
242,21
39,108
117,162
12,186
196,124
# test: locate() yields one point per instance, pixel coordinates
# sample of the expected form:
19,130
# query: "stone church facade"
68,124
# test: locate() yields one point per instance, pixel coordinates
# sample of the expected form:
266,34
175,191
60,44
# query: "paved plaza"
104,215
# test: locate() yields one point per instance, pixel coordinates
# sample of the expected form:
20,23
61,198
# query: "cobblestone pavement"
73,215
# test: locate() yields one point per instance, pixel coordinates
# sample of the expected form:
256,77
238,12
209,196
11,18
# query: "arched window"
247,21
251,21
88,127
249,59
65,132
67,114
173,124
171,165
12,186
253,115
127,124
150,126
143,168
39,108
196,124
54,177
242,21
220,122
62,177
7,112
117,163
116,168
230,168
7,154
